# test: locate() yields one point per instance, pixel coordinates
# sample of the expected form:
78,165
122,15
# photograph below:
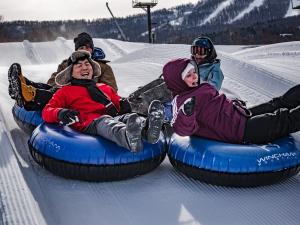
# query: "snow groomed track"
31,195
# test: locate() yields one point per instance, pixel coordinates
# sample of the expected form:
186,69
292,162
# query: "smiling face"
199,58
82,70
191,78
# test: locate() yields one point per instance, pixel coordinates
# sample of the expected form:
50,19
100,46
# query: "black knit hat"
83,39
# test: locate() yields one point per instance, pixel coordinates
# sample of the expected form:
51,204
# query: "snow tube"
70,154
26,120
235,165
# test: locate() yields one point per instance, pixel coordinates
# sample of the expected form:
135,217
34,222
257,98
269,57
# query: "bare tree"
1,18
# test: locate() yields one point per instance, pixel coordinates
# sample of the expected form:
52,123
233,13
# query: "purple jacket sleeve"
185,125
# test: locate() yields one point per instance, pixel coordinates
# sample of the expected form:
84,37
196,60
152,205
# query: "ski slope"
30,195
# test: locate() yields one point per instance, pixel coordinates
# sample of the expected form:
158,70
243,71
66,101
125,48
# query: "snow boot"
267,107
289,100
14,86
134,126
17,88
154,122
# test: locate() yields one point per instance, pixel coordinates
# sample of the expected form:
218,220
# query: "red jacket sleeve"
56,103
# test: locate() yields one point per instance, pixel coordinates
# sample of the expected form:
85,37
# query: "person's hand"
240,102
125,106
68,116
189,106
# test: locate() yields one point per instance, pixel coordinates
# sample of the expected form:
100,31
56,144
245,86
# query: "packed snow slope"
30,195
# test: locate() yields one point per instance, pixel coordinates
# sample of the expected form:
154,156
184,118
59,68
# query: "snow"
291,11
219,9
226,3
30,195
176,22
254,4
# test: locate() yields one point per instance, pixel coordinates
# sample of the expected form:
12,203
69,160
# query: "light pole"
146,5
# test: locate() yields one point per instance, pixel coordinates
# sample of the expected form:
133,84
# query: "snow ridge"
291,12
254,4
220,8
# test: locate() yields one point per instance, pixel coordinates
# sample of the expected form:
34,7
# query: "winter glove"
189,106
242,108
68,116
240,102
125,106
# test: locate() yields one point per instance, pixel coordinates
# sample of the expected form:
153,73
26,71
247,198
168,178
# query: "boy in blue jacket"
204,56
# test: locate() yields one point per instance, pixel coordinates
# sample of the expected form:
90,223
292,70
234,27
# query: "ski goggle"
197,50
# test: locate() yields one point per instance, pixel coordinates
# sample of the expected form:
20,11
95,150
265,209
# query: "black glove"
189,106
240,102
125,106
68,116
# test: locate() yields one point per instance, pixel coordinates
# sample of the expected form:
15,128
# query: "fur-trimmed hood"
63,78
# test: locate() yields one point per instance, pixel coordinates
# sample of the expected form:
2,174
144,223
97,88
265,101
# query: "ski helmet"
201,46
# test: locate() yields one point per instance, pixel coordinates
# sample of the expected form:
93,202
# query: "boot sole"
156,120
133,132
15,84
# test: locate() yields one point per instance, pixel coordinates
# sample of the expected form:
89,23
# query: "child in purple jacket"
199,109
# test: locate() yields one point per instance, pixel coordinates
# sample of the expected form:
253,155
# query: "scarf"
96,94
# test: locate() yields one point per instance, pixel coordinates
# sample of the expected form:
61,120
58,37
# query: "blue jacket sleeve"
215,78
212,73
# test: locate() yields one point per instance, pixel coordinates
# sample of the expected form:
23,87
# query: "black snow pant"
44,93
274,119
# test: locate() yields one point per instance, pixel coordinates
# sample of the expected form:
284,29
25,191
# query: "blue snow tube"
68,153
233,164
26,120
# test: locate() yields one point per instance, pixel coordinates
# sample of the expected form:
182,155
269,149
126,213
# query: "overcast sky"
74,9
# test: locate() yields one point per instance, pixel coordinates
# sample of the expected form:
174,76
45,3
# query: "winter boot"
14,86
154,122
17,88
134,126
267,107
289,100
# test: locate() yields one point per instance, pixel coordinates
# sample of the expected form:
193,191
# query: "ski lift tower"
146,5
295,4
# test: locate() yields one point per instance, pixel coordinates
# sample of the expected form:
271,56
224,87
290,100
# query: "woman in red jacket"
94,108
